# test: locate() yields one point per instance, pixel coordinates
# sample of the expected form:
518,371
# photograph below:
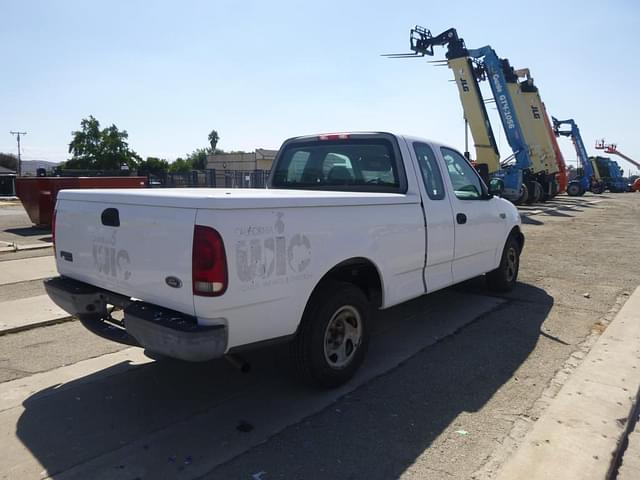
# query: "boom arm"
574,134
493,68
473,105
613,149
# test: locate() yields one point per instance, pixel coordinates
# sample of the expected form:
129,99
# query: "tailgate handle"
110,217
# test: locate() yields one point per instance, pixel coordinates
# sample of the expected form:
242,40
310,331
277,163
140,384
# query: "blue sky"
260,72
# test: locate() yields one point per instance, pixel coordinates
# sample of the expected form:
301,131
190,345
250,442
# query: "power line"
17,134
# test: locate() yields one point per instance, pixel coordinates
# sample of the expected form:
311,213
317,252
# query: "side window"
466,182
430,172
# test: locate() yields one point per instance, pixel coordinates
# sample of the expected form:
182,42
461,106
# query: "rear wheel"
574,189
333,337
504,278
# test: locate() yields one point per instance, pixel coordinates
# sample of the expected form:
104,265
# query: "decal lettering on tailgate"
108,259
266,255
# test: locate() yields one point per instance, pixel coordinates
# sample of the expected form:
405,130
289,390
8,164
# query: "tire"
597,189
535,192
524,194
574,189
504,278
333,337
548,191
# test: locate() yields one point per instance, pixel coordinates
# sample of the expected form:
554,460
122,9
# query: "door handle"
461,218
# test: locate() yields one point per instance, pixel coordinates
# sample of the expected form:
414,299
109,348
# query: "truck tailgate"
140,251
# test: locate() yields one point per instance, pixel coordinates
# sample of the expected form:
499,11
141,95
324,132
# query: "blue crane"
589,179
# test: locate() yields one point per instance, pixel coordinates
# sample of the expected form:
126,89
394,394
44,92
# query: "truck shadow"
393,417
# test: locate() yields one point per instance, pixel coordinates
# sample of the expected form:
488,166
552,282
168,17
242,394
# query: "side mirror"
496,186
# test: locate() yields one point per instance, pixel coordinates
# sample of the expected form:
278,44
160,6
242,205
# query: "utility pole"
17,134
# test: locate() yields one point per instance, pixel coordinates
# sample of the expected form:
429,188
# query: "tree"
9,160
95,149
213,140
198,158
180,165
154,165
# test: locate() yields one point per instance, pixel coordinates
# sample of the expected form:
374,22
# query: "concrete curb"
14,247
582,430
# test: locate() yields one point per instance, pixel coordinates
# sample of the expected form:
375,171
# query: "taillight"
334,136
209,262
53,230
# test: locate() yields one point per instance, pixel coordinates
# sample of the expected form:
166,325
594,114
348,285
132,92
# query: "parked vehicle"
589,178
348,223
610,173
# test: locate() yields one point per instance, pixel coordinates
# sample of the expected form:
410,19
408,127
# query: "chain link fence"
210,179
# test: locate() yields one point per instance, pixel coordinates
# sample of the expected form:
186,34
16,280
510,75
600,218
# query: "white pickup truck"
349,222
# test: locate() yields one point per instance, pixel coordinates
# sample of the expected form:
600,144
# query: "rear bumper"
155,328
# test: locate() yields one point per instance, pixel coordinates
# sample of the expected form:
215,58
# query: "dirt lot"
452,406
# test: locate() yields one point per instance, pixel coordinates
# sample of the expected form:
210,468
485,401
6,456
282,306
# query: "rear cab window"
356,163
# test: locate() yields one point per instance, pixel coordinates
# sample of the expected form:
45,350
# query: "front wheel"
333,337
503,278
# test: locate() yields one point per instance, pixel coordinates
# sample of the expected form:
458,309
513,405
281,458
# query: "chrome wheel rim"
342,337
512,264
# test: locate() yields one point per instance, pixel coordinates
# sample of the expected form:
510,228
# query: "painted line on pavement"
27,269
28,313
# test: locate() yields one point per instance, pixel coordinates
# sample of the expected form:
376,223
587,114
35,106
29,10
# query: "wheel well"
360,272
518,235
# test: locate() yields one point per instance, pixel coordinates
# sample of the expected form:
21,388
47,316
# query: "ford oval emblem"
174,282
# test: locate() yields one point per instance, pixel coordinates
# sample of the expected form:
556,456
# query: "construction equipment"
610,174
634,184
588,179
531,113
613,149
470,66
529,174
562,177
